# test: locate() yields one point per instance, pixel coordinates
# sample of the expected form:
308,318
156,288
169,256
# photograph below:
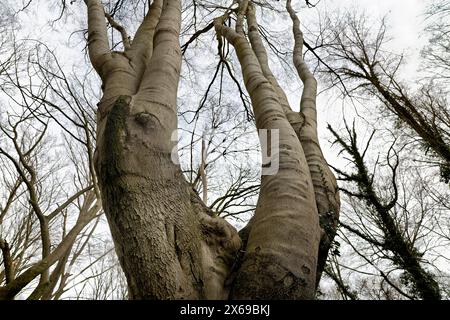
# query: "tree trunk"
169,244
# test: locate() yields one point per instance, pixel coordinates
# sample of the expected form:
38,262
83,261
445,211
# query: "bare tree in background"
436,53
166,195
394,219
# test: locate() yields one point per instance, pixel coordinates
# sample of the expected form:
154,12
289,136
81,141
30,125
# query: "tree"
390,216
437,50
356,56
47,215
389,205
168,243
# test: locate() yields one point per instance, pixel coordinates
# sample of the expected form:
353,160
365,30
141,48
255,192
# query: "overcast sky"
405,20
405,15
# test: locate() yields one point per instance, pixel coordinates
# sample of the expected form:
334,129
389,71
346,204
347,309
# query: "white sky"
405,17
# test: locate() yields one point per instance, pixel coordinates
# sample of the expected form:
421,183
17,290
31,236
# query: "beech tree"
169,245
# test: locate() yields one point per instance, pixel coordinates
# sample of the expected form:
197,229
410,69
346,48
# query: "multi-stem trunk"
169,244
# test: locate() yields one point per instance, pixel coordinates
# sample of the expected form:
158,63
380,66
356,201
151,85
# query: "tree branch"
121,29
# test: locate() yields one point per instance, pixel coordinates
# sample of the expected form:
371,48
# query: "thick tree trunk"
168,243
